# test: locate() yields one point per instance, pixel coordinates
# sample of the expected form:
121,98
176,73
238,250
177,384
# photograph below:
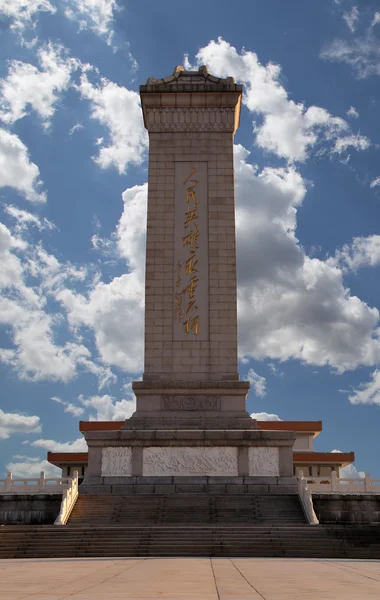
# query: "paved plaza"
189,579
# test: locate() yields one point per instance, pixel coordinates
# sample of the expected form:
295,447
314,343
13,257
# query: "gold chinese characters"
185,301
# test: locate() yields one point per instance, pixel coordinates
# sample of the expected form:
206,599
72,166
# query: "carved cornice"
190,119
193,385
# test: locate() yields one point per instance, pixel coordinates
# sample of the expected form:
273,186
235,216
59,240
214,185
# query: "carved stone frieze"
190,403
116,461
190,119
190,461
264,461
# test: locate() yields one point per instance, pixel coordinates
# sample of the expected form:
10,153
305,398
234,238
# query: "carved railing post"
367,483
334,482
8,482
41,482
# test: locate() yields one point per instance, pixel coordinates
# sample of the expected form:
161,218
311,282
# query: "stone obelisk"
190,425
190,373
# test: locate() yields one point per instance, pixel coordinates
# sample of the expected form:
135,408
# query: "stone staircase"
266,525
306,541
185,509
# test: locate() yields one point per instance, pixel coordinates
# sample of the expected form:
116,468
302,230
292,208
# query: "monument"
191,426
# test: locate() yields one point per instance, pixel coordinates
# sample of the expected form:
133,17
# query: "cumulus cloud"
115,310
375,182
11,423
107,408
263,416
257,382
287,128
118,110
16,169
96,15
29,467
291,305
27,86
35,355
24,13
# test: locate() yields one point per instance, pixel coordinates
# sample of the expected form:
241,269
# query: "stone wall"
28,509
347,508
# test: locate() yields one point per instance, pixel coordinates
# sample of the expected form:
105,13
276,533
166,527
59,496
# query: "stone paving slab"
189,579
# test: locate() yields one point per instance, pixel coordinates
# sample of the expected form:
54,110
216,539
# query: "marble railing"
34,485
69,497
306,500
343,485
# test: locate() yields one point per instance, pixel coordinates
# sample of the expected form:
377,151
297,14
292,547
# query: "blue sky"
73,175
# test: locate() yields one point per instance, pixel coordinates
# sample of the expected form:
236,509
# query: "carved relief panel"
190,461
116,462
264,461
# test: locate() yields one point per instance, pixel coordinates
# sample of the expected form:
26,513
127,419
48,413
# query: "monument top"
199,81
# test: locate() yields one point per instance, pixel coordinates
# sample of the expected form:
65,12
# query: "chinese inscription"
191,276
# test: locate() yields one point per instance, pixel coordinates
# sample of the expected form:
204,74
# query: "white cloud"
376,19
361,53
23,13
16,169
30,468
291,305
351,472
75,128
70,408
368,392
27,86
11,423
258,383
288,129
358,142
108,408
96,15
352,112
263,416
118,110
375,182
362,252
35,355
78,445
351,17
115,310
25,219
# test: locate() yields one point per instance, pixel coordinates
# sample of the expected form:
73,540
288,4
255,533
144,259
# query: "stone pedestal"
191,427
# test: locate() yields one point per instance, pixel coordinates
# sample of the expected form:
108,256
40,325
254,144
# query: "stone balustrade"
34,485
342,485
69,497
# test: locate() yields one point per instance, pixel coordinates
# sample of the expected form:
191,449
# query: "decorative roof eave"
314,427
336,458
181,80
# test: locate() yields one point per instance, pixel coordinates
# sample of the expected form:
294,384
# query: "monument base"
189,460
